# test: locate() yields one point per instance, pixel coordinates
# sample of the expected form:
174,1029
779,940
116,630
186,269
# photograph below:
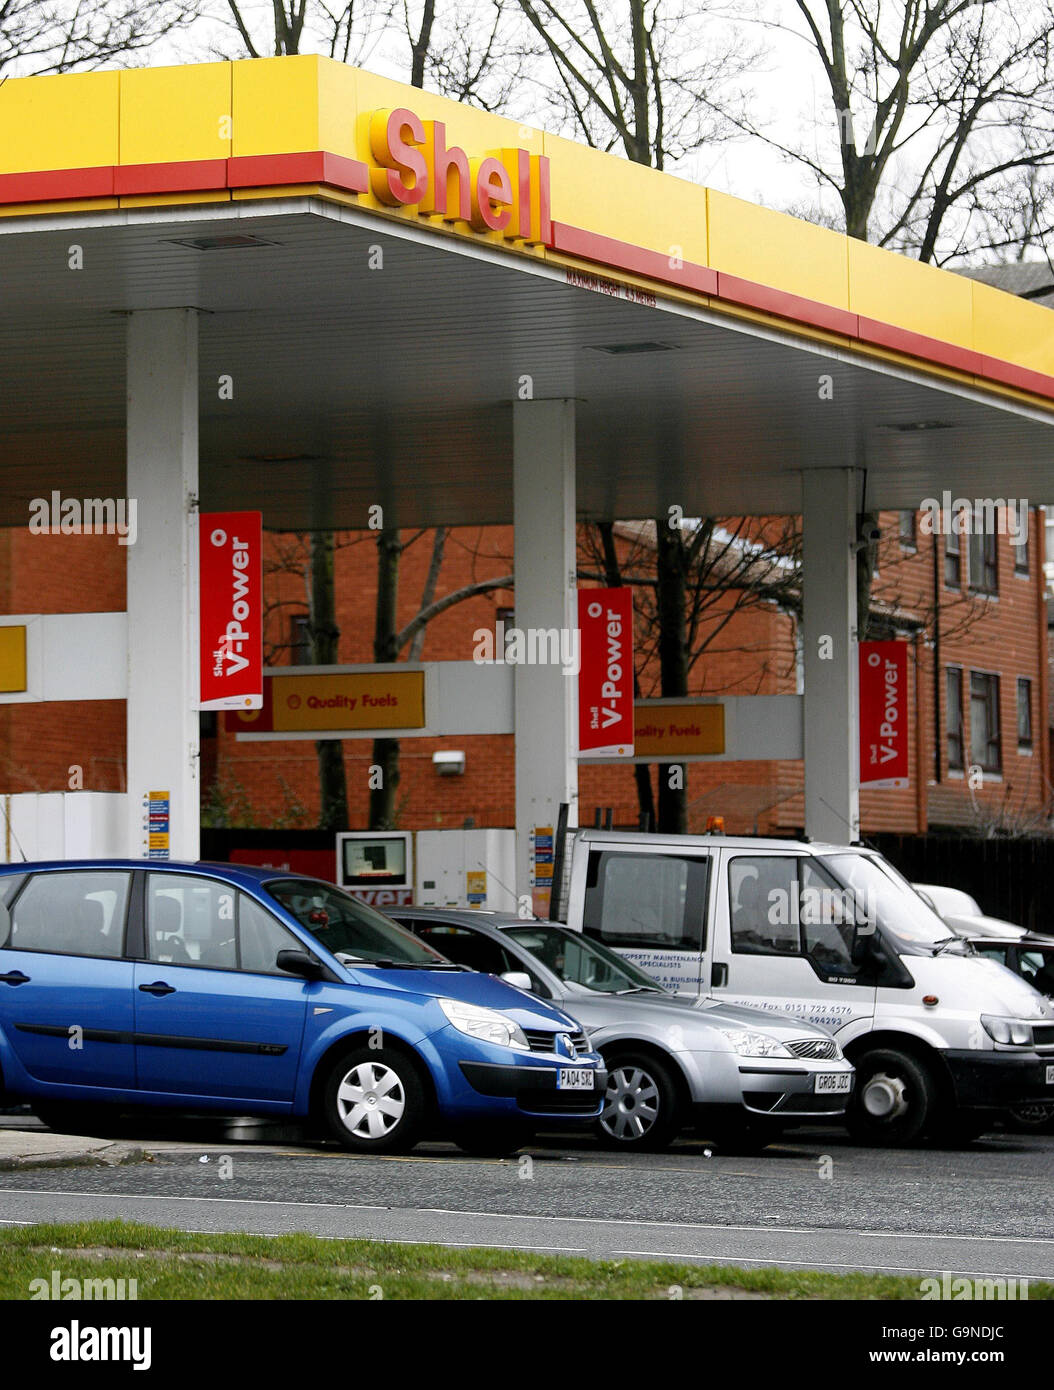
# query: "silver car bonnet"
597,1010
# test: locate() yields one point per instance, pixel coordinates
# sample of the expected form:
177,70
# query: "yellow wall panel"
67,122
173,114
1013,329
774,249
908,294
629,202
276,105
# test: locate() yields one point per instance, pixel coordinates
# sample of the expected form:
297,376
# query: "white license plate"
574,1079
834,1081
1050,1075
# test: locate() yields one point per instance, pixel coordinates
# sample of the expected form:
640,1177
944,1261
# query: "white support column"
829,639
545,698
162,477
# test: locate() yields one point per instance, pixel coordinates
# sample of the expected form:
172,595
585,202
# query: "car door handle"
15,977
158,987
719,975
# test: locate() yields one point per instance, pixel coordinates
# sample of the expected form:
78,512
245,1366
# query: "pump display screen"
375,863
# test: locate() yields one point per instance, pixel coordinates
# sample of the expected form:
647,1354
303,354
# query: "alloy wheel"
371,1100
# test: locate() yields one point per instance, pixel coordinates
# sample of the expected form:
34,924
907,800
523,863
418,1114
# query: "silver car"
737,1075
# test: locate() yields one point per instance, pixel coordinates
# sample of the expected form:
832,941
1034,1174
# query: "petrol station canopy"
373,340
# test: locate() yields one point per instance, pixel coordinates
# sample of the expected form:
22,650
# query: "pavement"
41,1148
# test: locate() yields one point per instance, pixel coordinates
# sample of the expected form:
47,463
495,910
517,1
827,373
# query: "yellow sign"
678,730
12,660
476,887
371,700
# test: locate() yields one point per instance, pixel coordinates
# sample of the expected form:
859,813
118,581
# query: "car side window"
75,913
763,905
998,953
465,947
830,917
1037,967
190,921
261,937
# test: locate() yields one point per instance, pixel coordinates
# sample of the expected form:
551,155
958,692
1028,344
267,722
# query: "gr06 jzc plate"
834,1081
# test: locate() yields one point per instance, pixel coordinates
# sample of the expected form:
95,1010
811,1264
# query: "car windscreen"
577,960
894,905
348,928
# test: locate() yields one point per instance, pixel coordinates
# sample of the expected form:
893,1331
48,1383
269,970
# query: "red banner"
230,602
605,678
884,723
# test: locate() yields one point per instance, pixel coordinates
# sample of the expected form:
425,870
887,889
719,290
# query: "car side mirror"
299,963
519,978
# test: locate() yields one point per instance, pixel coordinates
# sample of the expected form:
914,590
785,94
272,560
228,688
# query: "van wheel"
641,1103
374,1101
1037,1118
495,1139
894,1100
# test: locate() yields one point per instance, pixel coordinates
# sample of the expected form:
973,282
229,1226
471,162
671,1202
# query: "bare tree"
52,36
939,112
634,74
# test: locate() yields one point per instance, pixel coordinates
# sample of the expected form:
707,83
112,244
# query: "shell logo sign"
505,191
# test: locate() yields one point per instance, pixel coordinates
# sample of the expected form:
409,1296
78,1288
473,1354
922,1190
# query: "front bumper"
792,1092
534,1088
997,1080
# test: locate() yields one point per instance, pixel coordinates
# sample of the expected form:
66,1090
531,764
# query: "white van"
941,1039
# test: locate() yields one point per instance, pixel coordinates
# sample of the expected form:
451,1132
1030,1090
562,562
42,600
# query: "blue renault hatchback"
226,988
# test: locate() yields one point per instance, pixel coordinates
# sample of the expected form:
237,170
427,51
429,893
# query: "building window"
1024,714
983,558
984,721
1021,550
954,679
504,622
952,560
300,640
907,530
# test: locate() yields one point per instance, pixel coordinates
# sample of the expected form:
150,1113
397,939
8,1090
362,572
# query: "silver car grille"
820,1049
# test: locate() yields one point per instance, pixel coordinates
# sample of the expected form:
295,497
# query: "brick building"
982,670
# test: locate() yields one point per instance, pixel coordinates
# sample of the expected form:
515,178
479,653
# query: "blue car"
219,987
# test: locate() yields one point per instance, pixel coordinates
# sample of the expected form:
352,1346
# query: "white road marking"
826,1231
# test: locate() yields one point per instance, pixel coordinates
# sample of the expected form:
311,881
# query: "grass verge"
185,1265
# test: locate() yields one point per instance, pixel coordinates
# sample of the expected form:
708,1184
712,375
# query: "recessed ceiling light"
234,241
627,349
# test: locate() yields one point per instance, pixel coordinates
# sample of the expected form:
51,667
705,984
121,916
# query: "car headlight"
485,1024
750,1044
1007,1030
